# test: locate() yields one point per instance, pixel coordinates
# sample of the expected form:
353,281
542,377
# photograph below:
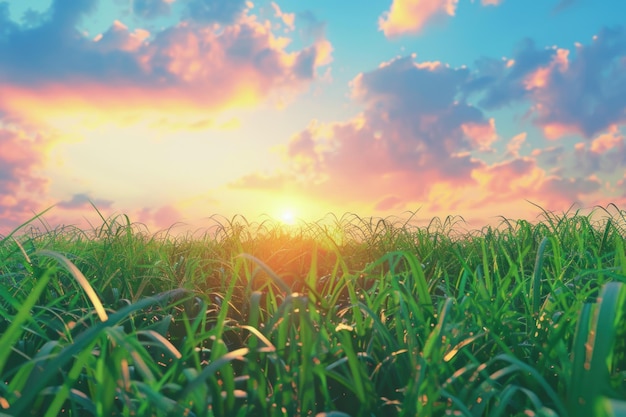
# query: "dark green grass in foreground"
360,318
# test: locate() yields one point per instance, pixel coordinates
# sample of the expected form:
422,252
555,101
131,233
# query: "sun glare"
288,217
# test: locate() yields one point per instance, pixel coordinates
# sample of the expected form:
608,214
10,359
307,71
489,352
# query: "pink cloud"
555,130
540,77
81,201
21,183
20,157
551,156
605,154
515,144
119,38
559,192
406,17
482,135
160,218
410,16
221,58
390,203
522,179
192,64
580,91
15,210
408,139
509,180
411,147
607,141
288,19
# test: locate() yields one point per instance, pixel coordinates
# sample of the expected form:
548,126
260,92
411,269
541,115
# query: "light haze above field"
175,110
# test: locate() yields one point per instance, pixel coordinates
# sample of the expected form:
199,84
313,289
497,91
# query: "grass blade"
80,278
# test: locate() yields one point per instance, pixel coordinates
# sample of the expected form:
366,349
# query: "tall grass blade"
211,369
80,278
277,280
537,274
15,329
593,349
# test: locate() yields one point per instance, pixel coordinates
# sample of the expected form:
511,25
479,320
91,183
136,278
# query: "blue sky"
175,110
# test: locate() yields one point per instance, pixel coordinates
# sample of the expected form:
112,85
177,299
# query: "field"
352,317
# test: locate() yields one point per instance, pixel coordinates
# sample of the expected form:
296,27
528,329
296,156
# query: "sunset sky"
175,110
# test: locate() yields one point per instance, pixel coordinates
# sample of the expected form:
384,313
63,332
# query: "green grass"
346,317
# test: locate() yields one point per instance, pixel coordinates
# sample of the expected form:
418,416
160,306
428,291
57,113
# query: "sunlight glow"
288,217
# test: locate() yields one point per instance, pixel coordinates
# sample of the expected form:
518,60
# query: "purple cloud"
189,63
581,91
605,154
55,50
20,156
410,136
20,184
82,200
501,82
586,94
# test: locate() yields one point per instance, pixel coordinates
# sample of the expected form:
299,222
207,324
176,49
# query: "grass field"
354,317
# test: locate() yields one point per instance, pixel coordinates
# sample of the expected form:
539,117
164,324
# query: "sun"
288,217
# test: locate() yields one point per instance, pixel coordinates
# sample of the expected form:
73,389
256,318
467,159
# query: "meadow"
351,317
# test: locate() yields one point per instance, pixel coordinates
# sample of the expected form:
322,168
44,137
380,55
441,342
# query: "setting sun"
288,217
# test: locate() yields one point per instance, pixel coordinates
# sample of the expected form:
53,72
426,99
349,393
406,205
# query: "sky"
174,111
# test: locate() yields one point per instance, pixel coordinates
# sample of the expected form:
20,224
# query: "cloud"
20,156
68,12
560,192
192,64
55,51
161,218
389,203
515,145
571,92
500,82
412,134
551,157
417,143
314,31
503,182
586,94
481,135
82,200
522,179
510,177
288,19
64,84
20,183
410,16
605,154
406,17
119,38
